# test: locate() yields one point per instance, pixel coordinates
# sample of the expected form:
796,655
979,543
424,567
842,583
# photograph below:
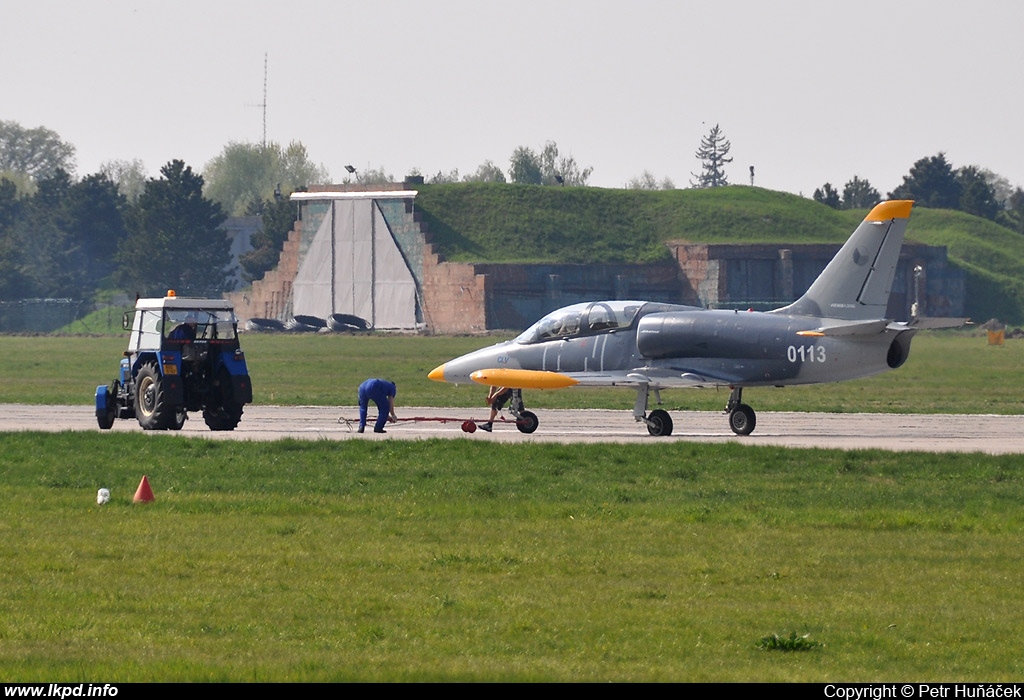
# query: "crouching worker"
497,397
381,392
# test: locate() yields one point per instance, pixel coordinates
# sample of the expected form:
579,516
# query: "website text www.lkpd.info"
60,690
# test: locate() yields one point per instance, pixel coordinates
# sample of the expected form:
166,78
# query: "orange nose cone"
437,374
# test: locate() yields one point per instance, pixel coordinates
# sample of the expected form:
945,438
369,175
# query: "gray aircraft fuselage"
676,346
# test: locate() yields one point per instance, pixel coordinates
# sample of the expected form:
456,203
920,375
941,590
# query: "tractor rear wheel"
223,412
223,417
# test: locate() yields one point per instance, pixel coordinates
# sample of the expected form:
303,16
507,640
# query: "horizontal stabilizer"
928,323
522,378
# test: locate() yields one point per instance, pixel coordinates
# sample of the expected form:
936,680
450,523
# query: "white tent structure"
353,263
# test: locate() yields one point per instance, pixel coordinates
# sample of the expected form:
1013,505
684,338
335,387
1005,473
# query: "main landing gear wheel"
527,422
659,423
742,420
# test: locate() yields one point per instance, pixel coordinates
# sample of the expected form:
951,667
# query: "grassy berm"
471,561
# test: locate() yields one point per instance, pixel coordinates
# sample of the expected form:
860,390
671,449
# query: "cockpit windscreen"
581,319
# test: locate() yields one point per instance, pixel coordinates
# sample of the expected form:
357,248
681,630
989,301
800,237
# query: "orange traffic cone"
144,494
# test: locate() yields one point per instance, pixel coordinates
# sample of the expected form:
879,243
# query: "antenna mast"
264,105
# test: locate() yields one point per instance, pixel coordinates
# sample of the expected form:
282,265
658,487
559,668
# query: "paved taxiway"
931,433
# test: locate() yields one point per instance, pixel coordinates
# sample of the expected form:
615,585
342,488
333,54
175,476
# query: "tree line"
933,182
119,229
69,239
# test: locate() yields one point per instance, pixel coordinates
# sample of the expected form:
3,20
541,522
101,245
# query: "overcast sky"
807,92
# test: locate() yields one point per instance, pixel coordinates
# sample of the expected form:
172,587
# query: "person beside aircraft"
381,392
497,397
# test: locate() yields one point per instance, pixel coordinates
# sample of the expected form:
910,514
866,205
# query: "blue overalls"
378,391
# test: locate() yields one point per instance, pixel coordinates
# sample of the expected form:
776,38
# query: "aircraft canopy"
581,319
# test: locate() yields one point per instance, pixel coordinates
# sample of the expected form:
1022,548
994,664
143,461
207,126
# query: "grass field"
948,372
459,560
467,560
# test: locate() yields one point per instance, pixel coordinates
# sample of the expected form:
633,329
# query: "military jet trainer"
836,331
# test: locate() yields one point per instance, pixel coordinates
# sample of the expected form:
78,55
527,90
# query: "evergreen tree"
277,219
931,183
977,196
96,225
11,204
175,239
713,156
50,260
827,195
859,194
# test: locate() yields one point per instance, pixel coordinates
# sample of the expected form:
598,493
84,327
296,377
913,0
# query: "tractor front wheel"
106,418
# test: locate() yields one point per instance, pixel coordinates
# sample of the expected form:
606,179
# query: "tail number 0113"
805,353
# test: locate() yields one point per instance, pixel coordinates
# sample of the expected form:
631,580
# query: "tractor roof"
175,302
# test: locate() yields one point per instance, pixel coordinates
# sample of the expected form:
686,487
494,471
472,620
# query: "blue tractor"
183,356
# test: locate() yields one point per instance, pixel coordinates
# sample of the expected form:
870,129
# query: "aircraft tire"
742,420
659,423
527,422
263,324
347,322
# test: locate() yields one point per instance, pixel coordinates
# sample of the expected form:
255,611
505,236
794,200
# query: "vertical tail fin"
855,285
